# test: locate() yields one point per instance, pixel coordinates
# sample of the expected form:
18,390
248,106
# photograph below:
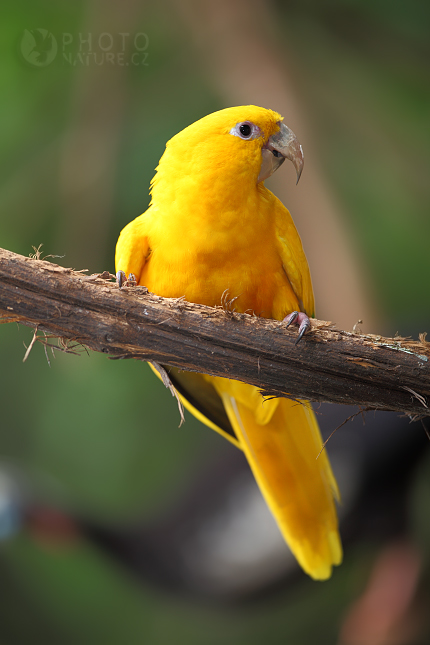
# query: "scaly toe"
121,279
291,318
298,318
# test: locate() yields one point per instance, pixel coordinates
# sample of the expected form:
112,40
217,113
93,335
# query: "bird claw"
122,280
301,319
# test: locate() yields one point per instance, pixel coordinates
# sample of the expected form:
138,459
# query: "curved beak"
280,146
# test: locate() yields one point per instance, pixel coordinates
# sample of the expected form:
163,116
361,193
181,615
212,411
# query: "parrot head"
247,143
276,140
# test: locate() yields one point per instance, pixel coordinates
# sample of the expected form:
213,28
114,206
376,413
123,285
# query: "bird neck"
211,200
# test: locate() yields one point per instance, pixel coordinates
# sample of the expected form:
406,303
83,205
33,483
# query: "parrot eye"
246,130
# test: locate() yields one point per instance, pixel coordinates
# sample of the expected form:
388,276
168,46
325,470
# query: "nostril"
276,153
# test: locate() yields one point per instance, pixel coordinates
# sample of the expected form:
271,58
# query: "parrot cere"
213,227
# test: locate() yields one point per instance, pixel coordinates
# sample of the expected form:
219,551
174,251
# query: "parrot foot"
122,280
301,319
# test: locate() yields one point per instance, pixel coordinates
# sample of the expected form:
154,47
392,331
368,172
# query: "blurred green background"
91,91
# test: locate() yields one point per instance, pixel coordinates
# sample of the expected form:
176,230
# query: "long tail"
281,441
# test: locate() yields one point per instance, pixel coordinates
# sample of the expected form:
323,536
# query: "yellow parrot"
213,227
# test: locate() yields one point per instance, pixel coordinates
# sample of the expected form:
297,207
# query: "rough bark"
327,365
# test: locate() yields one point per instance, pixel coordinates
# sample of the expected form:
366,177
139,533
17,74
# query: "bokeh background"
117,526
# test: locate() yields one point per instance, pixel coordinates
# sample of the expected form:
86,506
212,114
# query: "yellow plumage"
212,226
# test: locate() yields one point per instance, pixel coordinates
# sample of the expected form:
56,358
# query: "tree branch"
328,365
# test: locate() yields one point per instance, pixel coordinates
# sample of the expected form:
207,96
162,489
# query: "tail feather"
298,486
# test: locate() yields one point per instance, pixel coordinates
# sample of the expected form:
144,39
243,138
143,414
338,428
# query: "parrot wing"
197,394
132,248
294,263
199,397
